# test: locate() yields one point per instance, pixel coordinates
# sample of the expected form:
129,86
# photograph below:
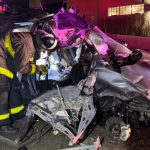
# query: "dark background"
49,5
18,3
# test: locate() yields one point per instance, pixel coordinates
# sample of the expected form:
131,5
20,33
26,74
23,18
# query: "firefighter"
16,56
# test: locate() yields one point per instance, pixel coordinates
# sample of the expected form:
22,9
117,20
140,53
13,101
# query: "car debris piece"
95,146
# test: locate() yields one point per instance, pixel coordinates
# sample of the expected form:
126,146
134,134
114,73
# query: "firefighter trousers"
11,104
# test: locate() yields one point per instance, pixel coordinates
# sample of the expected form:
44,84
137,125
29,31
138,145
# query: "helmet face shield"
49,41
46,40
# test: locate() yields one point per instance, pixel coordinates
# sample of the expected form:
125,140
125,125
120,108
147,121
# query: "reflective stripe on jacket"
8,45
6,72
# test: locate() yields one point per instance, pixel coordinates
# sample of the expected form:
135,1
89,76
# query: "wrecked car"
103,58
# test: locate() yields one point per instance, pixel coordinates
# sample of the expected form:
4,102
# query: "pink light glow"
63,34
77,137
102,49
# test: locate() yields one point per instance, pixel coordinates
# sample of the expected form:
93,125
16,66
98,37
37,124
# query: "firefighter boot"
8,129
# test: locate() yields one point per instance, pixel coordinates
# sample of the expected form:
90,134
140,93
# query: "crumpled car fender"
117,85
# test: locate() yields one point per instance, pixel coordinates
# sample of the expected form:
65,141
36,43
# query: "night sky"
18,3
53,5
